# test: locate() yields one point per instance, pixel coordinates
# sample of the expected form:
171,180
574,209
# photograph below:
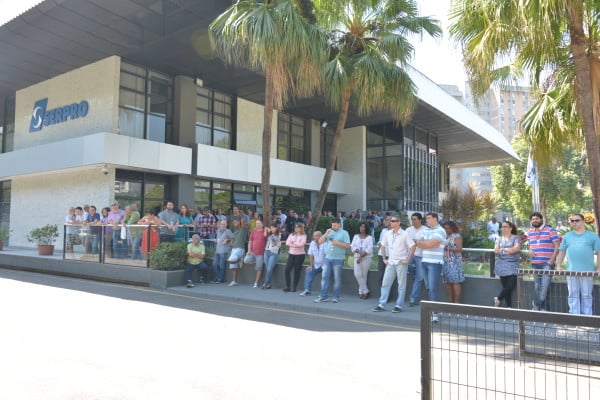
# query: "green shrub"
169,256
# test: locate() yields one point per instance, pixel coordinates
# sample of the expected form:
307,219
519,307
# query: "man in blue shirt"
338,240
579,245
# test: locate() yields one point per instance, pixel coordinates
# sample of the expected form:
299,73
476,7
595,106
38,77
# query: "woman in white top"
362,247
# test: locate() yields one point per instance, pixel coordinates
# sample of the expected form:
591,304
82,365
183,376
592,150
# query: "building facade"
153,119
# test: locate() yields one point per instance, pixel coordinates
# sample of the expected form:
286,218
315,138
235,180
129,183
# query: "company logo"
41,117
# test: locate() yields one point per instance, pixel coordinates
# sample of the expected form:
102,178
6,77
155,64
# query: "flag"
531,174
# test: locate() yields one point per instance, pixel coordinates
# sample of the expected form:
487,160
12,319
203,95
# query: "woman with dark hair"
271,254
452,270
507,249
186,220
362,247
296,254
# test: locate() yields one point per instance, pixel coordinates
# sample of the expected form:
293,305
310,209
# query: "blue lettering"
41,117
73,111
83,108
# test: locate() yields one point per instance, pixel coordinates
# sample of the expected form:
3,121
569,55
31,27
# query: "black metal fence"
476,352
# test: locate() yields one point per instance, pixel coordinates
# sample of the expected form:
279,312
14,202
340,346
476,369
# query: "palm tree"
272,37
368,55
502,39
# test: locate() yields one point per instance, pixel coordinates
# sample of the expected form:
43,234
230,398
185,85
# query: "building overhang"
58,36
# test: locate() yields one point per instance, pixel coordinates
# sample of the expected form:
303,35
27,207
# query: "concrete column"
352,159
182,190
184,118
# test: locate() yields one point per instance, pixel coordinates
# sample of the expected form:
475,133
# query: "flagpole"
531,178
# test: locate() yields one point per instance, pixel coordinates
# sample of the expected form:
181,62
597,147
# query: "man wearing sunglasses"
543,249
579,246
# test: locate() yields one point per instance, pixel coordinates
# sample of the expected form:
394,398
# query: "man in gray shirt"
169,223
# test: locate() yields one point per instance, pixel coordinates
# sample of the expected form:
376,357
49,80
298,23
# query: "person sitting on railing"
579,245
507,249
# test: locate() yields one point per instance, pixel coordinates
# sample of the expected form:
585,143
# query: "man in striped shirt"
543,249
432,244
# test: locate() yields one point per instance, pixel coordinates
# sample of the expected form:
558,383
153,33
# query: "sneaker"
255,285
305,293
335,300
233,283
413,303
397,309
378,309
435,318
190,284
321,300
534,306
214,282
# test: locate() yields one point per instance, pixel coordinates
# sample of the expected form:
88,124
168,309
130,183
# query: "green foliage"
564,184
4,235
465,207
45,235
169,256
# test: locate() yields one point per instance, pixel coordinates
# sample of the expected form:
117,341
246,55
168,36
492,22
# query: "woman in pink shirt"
295,243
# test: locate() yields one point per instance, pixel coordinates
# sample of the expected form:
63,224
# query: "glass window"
291,140
147,190
145,104
7,125
327,135
214,118
5,188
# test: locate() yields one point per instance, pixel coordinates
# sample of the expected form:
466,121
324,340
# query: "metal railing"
476,352
557,293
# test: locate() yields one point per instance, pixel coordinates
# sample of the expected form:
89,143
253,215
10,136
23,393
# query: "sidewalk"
350,307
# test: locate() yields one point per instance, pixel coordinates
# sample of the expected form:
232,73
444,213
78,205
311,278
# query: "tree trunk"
265,177
585,101
331,159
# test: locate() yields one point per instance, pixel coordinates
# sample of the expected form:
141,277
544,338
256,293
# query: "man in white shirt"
401,250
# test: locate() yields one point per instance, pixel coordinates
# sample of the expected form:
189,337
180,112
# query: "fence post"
425,351
492,264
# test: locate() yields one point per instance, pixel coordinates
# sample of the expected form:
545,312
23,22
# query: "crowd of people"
430,248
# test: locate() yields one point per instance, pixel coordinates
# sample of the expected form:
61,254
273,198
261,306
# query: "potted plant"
45,237
4,234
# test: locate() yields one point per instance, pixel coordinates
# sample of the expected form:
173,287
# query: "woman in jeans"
271,254
507,249
295,242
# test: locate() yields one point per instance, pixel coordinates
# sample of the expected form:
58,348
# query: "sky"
438,59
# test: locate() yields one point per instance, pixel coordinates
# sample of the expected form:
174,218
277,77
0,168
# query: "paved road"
64,338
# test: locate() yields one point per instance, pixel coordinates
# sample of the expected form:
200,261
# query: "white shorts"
235,257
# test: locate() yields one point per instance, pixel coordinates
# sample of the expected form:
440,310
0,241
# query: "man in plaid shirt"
205,224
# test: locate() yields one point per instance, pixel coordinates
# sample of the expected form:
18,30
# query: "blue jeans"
433,272
119,245
393,272
270,262
219,266
415,293
202,267
541,284
310,277
580,286
335,266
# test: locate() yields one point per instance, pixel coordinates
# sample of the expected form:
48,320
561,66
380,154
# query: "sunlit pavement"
64,338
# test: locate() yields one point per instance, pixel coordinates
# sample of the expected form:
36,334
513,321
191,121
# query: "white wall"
98,83
352,160
37,200
250,126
